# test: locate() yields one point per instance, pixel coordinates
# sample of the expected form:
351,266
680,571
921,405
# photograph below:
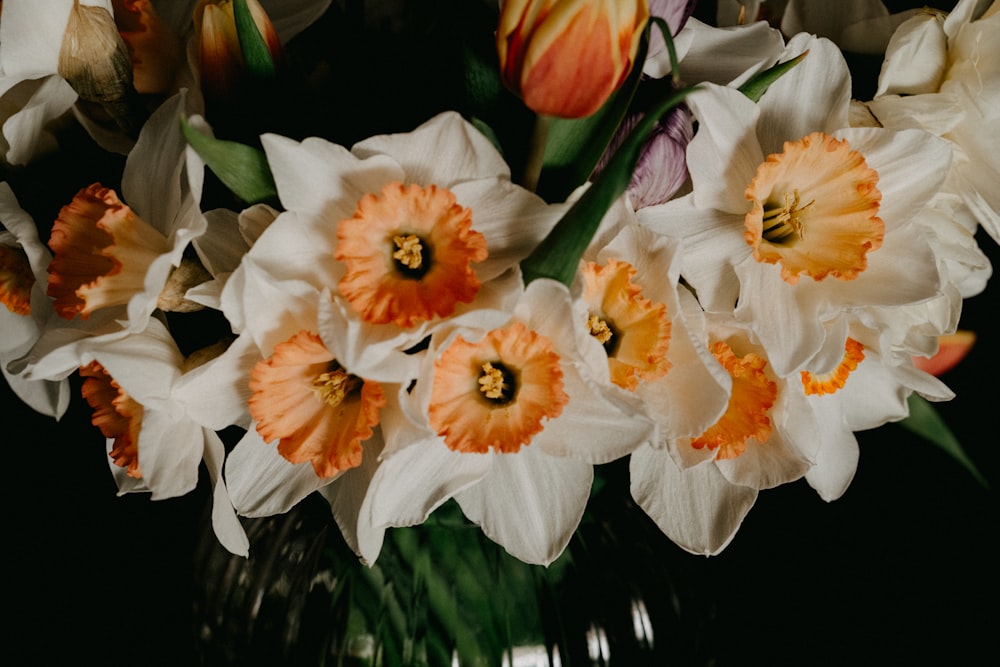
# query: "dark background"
900,570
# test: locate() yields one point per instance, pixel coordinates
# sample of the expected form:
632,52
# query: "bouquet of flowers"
577,234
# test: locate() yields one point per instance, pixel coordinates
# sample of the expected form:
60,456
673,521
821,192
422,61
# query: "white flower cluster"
384,349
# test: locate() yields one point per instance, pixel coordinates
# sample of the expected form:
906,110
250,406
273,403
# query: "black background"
900,570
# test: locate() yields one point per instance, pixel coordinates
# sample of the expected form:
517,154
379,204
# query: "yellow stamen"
333,386
409,251
496,393
785,220
599,329
492,382
634,330
746,417
828,383
830,235
16,280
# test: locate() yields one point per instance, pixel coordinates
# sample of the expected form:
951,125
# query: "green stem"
536,153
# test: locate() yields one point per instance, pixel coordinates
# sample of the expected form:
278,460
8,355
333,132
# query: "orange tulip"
566,57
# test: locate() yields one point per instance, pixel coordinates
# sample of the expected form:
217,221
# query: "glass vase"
444,594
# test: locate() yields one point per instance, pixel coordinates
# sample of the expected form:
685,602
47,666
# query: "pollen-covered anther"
496,394
116,414
312,406
599,329
16,280
409,253
785,222
747,414
334,386
101,253
634,330
814,210
492,383
828,383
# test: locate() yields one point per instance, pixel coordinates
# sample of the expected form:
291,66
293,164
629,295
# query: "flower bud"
95,61
566,57
220,55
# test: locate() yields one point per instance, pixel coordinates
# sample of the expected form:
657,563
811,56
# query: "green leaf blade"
241,168
925,421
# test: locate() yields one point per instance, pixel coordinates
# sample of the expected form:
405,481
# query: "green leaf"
925,421
241,168
558,255
758,85
256,55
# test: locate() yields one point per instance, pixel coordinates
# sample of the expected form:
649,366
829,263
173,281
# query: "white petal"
915,58
262,483
513,220
462,152
911,166
346,496
225,523
170,452
530,503
814,96
712,243
837,454
325,179
215,394
788,319
696,508
47,397
221,247
781,459
724,154
413,481
26,131
749,49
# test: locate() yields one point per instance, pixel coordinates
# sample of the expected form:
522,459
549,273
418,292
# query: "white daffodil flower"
506,419
651,330
113,260
775,430
154,445
796,223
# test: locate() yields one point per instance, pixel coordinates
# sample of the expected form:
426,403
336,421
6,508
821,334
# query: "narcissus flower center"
101,253
409,252
746,417
634,330
496,393
815,210
312,406
16,280
115,414
828,383
333,386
